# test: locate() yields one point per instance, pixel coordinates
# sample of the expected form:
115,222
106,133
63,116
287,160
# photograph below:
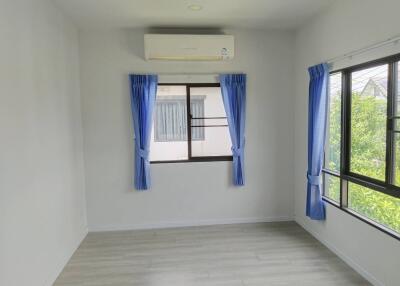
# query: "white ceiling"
262,14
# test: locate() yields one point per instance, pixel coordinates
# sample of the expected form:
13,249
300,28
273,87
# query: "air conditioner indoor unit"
188,47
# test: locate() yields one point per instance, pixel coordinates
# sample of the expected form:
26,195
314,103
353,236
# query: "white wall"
42,203
345,26
182,193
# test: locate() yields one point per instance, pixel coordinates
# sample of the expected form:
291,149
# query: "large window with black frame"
361,173
189,124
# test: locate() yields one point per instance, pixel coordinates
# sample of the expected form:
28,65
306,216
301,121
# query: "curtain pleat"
143,97
317,117
233,88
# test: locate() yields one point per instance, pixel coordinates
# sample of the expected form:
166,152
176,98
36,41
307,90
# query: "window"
189,124
361,171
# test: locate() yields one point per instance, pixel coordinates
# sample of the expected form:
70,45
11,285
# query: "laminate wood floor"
235,255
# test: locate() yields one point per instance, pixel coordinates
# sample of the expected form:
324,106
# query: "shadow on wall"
134,43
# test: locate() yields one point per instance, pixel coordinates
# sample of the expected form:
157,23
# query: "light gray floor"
235,255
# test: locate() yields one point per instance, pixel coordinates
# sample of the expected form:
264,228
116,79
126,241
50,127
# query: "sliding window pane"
376,206
368,121
210,133
332,187
333,133
169,133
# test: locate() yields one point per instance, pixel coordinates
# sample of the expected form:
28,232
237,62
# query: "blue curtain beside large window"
143,98
317,117
233,87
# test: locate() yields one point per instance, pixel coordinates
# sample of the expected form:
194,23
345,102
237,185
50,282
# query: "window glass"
213,126
374,205
209,133
368,121
170,120
332,187
197,111
169,132
333,134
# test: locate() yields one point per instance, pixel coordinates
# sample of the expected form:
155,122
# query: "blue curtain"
143,98
233,87
317,114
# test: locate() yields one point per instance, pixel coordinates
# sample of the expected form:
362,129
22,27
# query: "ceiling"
259,14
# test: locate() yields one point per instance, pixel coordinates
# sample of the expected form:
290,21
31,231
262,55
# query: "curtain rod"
388,41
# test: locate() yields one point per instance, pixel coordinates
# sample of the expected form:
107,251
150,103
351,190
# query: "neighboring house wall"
373,88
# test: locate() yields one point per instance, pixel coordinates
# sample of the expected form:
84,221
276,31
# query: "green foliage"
334,133
368,151
332,188
368,136
333,150
376,206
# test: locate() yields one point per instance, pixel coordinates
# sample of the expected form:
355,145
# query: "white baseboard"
172,224
59,265
368,276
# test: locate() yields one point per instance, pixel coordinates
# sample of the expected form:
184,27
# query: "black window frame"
345,176
189,117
